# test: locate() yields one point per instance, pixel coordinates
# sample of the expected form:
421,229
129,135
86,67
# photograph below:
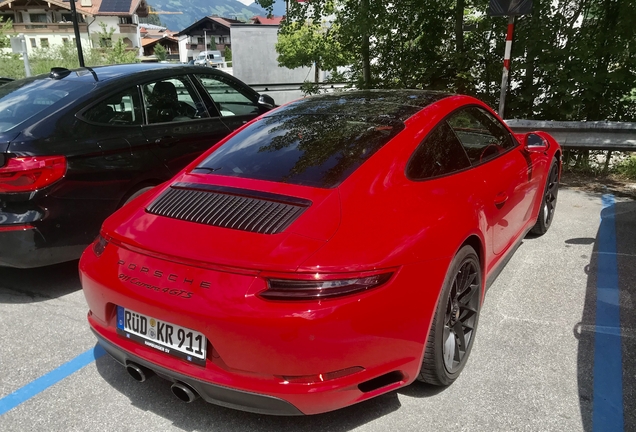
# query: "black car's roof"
397,104
106,73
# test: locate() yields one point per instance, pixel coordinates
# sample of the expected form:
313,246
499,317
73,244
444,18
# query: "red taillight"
320,286
28,174
99,245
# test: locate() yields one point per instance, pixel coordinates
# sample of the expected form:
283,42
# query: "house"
48,23
209,33
266,21
153,35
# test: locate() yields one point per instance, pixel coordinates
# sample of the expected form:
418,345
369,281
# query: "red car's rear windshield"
318,150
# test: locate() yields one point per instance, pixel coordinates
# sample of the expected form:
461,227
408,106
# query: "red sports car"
332,250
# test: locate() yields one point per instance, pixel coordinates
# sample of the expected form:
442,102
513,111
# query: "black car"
75,145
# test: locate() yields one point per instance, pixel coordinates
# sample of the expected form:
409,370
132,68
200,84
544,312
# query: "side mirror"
535,143
267,101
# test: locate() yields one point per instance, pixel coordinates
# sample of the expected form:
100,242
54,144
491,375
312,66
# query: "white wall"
254,57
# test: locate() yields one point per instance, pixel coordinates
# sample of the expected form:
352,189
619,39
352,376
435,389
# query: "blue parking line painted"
607,414
25,393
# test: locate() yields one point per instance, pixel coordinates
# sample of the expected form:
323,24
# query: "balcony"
128,28
47,28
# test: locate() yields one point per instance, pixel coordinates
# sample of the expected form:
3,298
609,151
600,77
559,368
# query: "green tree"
160,52
120,54
105,36
228,54
572,59
5,27
306,44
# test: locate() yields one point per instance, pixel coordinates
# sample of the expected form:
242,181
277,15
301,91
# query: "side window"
228,99
121,109
481,134
172,100
439,154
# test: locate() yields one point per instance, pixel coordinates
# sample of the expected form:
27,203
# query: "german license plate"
166,337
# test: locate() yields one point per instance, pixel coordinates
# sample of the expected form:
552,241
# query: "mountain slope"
194,10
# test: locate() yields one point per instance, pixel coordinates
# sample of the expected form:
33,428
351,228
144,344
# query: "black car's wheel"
548,204
455,322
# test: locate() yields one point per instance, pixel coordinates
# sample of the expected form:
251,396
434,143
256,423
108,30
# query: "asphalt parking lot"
555,350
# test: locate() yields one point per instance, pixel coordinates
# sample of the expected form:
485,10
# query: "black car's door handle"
166,141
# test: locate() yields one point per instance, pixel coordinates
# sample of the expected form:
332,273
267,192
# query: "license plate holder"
172,339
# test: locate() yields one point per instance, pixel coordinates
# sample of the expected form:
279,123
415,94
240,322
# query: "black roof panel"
115,6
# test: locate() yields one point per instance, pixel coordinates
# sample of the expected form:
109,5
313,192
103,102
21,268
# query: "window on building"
38,18
34,43
44,42
64,41
67,17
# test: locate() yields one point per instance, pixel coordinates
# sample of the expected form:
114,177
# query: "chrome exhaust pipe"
138,372
184,392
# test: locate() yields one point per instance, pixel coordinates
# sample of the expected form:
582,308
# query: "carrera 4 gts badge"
171,291
159,276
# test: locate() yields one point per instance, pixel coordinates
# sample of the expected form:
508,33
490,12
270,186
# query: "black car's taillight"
322,287
28,174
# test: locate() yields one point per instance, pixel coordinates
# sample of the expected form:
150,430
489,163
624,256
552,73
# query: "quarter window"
481,134
229,100
439,154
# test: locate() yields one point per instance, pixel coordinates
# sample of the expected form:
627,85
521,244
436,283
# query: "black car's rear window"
319,150
22,99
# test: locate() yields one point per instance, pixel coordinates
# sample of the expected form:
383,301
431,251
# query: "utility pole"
506,65
510,9
78,41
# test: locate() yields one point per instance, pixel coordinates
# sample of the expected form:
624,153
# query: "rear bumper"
264,356
23,246
218,395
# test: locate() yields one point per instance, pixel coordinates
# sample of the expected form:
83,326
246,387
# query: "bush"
627,167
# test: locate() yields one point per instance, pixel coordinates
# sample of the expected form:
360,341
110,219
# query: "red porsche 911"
332,250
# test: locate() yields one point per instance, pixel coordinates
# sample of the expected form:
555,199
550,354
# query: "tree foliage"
160,52
5,27
120,54
571,60
304,44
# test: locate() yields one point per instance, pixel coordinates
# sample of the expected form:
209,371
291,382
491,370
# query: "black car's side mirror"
267,101
535,143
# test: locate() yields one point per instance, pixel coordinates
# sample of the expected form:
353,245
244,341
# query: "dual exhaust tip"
181,390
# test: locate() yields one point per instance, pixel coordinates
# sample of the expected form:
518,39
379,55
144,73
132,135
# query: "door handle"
501,199
166,141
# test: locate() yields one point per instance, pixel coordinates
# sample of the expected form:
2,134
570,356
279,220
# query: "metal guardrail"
610,136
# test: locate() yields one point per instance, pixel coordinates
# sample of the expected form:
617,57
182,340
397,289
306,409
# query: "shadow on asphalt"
625,225
154,395
40,284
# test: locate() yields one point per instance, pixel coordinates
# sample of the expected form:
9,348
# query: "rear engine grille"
239,209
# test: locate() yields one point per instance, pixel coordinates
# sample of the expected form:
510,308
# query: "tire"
132,195
548,202
455,322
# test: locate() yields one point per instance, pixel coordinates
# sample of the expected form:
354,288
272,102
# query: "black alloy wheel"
548,205
453,330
